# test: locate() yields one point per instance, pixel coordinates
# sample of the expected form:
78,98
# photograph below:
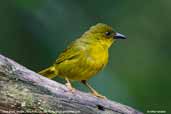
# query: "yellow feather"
84,57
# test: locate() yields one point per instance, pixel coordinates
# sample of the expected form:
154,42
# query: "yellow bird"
84,57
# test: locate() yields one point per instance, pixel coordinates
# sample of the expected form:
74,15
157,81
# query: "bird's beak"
119,36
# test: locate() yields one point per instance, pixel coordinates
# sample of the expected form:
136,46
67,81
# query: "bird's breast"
98,56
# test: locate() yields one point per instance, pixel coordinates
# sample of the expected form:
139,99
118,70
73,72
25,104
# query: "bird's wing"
73,51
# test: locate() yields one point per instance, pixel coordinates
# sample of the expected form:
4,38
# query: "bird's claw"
69,86
99,95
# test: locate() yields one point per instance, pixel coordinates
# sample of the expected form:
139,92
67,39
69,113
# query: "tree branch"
22,90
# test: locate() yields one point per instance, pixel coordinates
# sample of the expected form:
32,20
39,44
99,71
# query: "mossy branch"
22,90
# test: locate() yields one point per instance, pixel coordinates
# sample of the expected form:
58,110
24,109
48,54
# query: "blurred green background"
34,32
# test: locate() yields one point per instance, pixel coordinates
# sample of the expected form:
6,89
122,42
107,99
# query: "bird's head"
103,34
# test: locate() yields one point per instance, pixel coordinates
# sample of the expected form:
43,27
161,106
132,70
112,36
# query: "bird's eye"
107,33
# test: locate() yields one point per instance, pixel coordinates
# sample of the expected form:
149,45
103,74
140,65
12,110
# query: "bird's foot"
98,95
69,86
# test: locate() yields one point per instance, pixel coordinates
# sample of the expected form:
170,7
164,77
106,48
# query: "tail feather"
50,72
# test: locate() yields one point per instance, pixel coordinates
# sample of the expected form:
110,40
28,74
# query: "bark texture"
24,91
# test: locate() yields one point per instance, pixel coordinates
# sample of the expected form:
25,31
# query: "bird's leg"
93,91
68,85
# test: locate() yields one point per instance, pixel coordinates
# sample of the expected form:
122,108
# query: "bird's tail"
49,72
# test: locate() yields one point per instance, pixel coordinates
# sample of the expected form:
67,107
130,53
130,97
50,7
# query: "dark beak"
119,36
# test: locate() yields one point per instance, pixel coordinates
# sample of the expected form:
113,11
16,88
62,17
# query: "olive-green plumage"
85,56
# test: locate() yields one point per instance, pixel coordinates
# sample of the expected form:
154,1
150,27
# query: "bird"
84,57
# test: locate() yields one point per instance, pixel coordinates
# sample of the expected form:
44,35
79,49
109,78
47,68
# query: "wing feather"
71,52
